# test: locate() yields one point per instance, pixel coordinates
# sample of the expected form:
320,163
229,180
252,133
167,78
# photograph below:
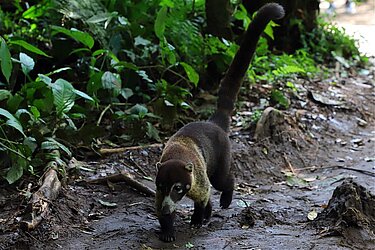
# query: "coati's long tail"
230,84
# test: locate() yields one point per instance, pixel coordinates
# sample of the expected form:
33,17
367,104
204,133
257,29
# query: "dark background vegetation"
80,75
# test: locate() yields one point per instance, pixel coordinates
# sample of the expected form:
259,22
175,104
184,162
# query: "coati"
199,154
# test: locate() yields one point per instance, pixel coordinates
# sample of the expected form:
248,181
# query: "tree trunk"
288,34
218,16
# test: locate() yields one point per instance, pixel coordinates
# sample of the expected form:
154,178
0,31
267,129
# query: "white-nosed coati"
199,153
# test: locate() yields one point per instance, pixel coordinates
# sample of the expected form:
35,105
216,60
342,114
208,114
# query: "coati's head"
173,181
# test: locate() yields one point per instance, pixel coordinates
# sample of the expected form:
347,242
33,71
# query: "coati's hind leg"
227,191
223,180
201,213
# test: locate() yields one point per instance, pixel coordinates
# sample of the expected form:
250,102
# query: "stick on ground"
128,179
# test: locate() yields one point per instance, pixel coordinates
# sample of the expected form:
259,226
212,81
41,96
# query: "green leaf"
6,61
4,94
14,102
141,41
31,143
34,110
83,95
191,73
64,96
152,132
15,172
44,79
280,98
58,71
28,47
27,63
159,25
52,144
126,93
144,75
99,18
77,35
111,81
12,121
35,11
168,3
139,110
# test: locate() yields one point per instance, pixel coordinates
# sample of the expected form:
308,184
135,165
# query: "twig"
128,179
104,151
288,164
342,167
136,164
102,114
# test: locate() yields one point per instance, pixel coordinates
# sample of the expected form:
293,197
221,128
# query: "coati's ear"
189,166
158,165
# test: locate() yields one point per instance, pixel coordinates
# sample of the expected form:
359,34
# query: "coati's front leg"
166,219
168,234
202,212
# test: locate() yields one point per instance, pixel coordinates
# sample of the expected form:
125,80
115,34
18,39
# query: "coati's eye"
178,188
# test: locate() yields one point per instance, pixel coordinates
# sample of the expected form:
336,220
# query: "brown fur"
199,153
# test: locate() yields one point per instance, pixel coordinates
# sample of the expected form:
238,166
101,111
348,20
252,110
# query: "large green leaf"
111,81
77,35
159,25
16,170
152,132
4,94
12,121
64,96
28,47
6,61
191,73
52,144
36,11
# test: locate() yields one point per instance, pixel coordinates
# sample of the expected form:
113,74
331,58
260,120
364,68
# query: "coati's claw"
196,221
167,236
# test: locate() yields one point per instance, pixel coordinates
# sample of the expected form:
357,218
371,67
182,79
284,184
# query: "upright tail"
231,83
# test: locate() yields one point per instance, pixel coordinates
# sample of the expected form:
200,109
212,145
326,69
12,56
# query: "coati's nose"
165,210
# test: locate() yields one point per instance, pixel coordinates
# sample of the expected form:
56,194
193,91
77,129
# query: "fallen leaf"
189,245
54,235
107,204
324,100
242,203
312,215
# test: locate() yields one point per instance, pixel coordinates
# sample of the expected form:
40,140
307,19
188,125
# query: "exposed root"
41,200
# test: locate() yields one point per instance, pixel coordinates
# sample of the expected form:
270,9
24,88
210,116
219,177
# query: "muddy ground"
282,180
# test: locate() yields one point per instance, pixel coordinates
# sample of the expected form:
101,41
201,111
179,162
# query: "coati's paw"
207,212
196,221
167,236
226,199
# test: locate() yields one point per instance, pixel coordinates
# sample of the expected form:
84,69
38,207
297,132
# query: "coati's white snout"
168,206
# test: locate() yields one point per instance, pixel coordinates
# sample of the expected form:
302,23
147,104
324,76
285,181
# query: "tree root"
41,199
128,179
